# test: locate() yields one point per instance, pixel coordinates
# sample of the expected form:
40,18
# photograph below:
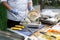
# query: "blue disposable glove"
14,11
31,8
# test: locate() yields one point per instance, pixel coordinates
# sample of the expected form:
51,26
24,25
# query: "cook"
17,10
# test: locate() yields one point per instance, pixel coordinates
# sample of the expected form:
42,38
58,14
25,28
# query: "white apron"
22,6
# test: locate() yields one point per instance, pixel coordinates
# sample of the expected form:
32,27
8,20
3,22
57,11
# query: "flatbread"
33,15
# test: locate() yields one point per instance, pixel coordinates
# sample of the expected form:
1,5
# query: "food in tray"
45,37
50,36
58,38
18,26
14,28
55,28
53,31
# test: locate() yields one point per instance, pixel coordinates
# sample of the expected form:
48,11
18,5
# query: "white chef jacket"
21,5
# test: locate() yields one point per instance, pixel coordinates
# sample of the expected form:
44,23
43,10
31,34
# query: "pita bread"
33,15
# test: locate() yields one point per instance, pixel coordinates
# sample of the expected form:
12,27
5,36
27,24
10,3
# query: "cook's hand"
14,11
31,8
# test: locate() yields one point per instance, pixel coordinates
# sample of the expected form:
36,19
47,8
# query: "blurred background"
38,4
